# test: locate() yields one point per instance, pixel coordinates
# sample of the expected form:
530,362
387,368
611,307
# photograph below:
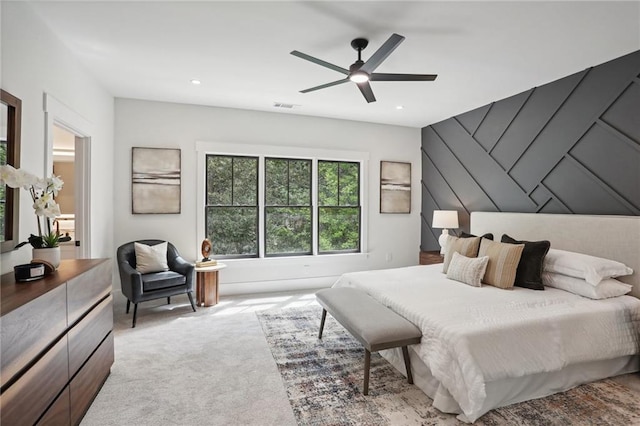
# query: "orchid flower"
42,191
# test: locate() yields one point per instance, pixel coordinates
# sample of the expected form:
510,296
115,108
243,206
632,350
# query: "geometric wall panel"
498,118
569,146
625,112
472,119
581,191
614,161
534,115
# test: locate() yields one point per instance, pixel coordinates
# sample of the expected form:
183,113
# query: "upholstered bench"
370,322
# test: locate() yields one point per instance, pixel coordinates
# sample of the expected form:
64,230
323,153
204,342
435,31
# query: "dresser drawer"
27,331
25,400
85,336
86,384
87,289
58,413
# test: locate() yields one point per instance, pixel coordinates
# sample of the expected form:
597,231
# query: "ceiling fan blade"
365,88
324,86
382,53
402,77
320,62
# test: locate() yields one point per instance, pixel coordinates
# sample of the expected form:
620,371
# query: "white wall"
167,125
34,61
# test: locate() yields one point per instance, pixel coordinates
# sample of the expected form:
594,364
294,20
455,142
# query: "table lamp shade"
446,219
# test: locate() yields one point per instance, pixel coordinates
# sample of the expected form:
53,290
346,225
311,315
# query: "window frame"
338,206
310,205
294,152
256,206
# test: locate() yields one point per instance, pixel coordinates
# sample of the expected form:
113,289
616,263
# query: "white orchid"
56,184
52,211
15,178
42,191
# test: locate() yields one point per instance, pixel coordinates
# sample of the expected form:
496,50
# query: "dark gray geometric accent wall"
570,146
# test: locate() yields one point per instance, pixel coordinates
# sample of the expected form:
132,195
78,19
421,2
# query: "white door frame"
56,113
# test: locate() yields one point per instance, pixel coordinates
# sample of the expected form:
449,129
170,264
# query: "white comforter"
476,335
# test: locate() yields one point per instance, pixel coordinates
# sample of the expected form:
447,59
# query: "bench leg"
367,366
324,316
407,364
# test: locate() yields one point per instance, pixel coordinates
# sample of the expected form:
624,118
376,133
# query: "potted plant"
42,190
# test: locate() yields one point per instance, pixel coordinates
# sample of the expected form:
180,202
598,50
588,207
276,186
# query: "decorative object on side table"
45,245
205,249
445,219
395,187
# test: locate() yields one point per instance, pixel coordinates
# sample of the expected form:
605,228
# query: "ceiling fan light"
359,77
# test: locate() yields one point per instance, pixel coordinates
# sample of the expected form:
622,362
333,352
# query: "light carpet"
179,367
323,380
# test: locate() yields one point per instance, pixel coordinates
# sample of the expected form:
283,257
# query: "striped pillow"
503,262
465,246
468,270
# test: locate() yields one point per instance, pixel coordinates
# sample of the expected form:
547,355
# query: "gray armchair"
139,287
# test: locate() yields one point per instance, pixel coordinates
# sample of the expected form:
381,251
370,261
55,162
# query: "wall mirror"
10,117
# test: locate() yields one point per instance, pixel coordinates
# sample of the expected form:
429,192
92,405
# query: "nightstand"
431,257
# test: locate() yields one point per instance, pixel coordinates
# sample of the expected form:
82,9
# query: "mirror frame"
12,206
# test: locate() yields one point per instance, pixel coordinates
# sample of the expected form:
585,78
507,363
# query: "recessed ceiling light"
399,107
196,82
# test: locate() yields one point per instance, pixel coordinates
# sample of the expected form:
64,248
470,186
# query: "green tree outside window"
338,206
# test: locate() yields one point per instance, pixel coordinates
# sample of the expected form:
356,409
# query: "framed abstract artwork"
155,181
395,187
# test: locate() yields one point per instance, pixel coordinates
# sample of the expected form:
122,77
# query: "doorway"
64,147
68,154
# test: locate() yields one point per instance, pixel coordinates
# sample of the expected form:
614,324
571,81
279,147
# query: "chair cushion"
151,258
160,280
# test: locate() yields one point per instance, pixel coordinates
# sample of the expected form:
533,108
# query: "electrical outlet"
388,257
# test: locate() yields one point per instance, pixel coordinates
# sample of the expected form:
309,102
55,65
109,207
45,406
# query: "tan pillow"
151,258
503,262
465,246
468,270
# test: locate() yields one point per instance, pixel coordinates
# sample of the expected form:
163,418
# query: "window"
338,207
287,206
231,212
277,201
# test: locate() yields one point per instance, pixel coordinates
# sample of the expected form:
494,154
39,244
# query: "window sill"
303,260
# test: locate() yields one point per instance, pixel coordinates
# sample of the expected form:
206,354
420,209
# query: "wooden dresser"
431,257
56,343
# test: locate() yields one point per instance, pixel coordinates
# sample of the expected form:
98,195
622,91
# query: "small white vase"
51,255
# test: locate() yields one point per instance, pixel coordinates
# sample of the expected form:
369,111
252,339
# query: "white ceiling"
481,51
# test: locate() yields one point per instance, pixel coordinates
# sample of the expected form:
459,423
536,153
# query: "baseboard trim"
255,287
233,289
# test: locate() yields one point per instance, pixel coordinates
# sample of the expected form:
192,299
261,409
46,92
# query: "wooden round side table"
207,284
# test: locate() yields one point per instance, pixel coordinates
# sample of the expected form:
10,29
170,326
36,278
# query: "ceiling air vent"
283,105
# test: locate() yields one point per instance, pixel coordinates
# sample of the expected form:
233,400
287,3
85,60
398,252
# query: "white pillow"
592,269
607,288
468,270
151,258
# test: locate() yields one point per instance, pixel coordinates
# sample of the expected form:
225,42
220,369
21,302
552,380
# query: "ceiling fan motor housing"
356,66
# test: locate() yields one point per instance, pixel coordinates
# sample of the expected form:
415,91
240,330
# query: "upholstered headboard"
611,237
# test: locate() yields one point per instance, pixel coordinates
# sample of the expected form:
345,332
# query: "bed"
484,348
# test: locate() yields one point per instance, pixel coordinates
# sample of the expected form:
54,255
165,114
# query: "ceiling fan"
361,72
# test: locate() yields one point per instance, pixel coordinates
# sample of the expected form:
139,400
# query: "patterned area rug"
323,379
